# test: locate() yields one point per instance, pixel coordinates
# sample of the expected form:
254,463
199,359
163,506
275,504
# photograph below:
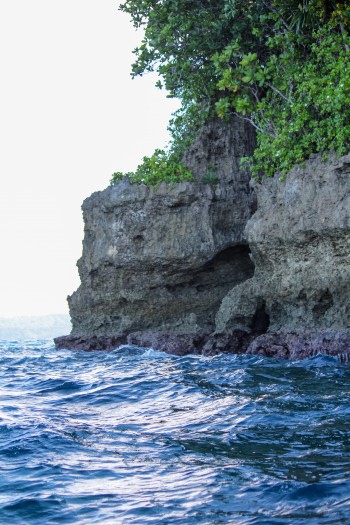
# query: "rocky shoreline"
228,267
282,345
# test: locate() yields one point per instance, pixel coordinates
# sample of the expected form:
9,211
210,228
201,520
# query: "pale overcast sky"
70,115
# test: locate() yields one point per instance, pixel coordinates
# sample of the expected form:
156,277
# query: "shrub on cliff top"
305,106
159,167
280,64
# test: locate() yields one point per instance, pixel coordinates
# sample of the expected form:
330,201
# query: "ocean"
136,436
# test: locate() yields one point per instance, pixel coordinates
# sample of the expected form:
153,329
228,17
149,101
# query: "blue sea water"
135,436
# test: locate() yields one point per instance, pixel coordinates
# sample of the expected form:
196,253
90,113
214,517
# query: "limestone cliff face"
300,243
162,259
207,268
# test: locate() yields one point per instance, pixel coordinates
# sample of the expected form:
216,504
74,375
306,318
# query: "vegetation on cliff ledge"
283,65
159,167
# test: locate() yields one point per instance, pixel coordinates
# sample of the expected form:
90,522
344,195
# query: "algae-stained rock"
300,243
161,259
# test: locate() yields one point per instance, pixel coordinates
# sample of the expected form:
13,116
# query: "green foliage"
316,116
296,91
180,36
159,167
174,45
280,64
298,106
119,175
210,177
185,124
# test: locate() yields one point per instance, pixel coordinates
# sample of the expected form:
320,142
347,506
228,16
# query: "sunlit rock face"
162,259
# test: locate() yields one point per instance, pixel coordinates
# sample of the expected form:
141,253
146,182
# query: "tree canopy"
281,64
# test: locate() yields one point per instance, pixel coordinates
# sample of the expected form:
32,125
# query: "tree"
267,61
295,92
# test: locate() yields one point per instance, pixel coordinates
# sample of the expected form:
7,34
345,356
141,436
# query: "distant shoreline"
34,326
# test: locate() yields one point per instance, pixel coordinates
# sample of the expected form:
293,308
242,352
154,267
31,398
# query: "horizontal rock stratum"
192,268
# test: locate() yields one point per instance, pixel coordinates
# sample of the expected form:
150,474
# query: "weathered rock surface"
217,151
160,260
191,269
300,243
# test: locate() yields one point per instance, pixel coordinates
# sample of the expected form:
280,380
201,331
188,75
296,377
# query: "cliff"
300,242
192,268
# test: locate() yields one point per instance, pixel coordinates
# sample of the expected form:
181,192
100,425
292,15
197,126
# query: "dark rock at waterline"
201,342
283,345
91,343
176,344
302,345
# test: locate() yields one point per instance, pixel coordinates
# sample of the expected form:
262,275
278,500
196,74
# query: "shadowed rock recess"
192,268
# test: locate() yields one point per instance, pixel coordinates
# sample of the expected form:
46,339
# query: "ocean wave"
137,436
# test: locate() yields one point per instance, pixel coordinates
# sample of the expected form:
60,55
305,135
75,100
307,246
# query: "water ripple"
135,436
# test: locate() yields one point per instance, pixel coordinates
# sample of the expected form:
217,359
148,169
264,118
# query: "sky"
70,115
